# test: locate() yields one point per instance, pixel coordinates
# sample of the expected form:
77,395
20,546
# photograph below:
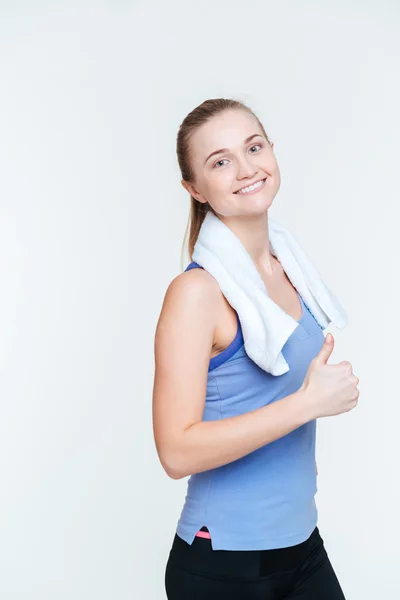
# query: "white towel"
265,325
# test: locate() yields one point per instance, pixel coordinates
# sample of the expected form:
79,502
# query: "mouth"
253,188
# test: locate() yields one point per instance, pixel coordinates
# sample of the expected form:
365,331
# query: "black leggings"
301,572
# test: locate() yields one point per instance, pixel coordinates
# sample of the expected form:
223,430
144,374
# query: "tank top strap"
193,265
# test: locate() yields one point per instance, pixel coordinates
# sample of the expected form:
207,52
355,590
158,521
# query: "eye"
222,159
255,145
219,161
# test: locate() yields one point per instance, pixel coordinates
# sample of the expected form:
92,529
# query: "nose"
245,168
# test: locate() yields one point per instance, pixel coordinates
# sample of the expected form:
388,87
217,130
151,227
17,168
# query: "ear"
189,187
272,145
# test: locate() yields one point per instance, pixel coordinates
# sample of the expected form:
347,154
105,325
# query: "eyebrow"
246,141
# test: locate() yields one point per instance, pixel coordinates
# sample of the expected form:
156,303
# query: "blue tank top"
266,499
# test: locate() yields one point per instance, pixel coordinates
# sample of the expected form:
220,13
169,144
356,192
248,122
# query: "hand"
330,389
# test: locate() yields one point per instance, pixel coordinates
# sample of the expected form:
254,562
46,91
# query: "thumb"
326,350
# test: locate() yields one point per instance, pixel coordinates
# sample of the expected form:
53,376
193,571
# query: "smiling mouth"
252,188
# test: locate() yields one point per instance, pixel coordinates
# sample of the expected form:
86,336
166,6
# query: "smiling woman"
246,164
247,438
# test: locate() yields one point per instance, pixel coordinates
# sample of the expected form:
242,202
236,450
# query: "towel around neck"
265,325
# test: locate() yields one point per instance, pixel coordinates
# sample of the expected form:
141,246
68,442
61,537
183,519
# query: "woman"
248,528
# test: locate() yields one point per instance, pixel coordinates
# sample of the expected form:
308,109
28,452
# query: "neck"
253,234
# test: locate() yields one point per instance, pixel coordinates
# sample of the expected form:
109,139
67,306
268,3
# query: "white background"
92,218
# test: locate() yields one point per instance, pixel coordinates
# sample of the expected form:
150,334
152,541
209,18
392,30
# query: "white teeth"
250,188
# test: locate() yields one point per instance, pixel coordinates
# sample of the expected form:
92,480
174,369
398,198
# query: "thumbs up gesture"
330,389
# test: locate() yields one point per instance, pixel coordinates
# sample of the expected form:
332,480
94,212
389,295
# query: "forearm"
210,444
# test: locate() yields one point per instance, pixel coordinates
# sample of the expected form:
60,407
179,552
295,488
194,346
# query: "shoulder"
194,285
185,331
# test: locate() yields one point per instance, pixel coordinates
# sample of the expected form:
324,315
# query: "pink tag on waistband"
203,534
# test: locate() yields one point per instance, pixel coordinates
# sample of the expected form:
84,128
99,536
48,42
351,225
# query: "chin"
256,205
250,206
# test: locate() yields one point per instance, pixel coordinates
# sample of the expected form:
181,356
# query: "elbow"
175,474
173,468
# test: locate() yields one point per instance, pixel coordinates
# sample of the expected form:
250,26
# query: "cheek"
277,174
275,167
224,181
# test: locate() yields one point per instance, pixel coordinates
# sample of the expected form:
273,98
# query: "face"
222,178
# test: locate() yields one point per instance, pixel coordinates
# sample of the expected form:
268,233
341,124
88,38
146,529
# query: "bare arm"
210,444
183,343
